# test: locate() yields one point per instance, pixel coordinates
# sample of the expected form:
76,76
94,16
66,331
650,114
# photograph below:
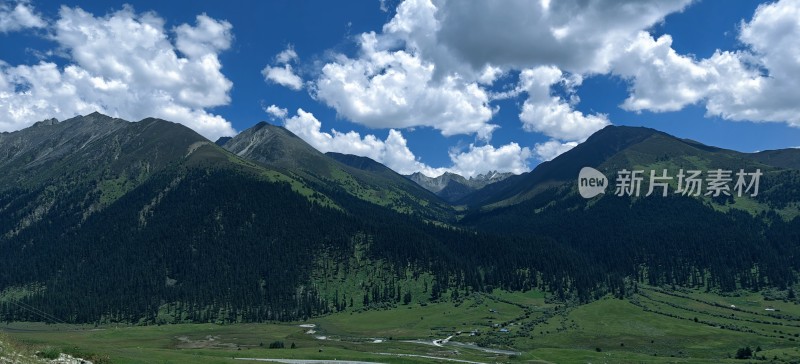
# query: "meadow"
654,325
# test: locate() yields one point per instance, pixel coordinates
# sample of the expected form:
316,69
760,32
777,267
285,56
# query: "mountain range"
276,148
453,187
105,220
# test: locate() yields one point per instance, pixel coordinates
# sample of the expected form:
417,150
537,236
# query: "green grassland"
654,325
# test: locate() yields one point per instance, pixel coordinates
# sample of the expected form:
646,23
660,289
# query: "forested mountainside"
104,220
276,148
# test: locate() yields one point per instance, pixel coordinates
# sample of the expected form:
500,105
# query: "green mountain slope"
278,148
725,232
781,158
100,224
94,160
149,222
599,147
150,219
32,155
633,148
666,234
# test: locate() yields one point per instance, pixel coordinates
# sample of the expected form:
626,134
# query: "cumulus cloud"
207,37
283,76
652,63
758,83
282,73
743,92
551,115
481,159
573,35
287,55
20,16
393,151
552,148
276,112
397,89
124,64
432,63
662,80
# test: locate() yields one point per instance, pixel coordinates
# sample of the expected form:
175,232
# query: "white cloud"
739,91
489,75
552,148
283,76
123,64
395,154
550,114
433,60
287,55
573,35
397,89
208,37
276,112
392,152
21,16
743,92
758,83
282,73
481,159
650,64
422,70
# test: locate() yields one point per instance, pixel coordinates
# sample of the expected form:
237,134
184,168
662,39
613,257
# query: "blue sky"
479,89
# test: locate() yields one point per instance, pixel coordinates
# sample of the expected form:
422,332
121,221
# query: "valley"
654,325
400,181
129,240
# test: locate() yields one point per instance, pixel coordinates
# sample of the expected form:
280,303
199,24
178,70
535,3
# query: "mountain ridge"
144,222
452,186
621,147
276,147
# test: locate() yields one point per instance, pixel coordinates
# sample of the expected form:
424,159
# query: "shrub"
744,353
